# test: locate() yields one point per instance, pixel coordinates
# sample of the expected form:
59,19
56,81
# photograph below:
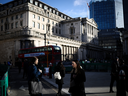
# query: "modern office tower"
108,14
125,8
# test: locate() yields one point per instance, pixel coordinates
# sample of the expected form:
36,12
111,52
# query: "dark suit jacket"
33,73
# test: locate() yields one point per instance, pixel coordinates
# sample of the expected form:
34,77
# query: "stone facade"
32,23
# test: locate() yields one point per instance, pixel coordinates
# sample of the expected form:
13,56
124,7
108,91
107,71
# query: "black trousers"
59,88
113,79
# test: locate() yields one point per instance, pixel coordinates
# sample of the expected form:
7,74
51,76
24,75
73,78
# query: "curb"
55,85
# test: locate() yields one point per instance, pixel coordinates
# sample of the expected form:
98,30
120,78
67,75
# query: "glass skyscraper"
108,14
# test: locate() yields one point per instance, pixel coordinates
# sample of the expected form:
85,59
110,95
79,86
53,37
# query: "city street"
19,86
97,84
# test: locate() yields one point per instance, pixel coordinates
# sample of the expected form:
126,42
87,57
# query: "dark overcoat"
77,89
62,74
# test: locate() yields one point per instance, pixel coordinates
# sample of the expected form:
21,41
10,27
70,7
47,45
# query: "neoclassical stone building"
32,23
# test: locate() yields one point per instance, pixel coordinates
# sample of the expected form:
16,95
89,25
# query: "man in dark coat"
114,74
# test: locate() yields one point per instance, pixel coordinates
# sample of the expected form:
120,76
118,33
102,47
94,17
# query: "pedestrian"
19,65
33,74
60,68
77,80
122,79
25,68
50,70
114,74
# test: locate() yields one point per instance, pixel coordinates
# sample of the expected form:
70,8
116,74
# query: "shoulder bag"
57,75
36,87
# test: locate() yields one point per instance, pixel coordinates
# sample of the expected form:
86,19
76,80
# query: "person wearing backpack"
122,79
61,70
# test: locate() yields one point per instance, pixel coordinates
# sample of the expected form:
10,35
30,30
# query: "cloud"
79,2
76,13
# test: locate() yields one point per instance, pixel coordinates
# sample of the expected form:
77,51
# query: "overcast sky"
73,8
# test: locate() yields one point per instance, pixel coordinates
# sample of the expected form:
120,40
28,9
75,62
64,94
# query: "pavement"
97,83
19,86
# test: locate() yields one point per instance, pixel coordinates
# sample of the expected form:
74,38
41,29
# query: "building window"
56,30
61,15
36,3
21,15
38,25
11,25
16,16
56,24
41,5
72,30
12,18
16,24
59,25
31,1
45,7
10,5
50,10
33,23
20,2
59,31
64,17
48,21
54,11
33,16
6,26
7,19
2,20
48,14
42,19
43,27
53,29
21,23
15,4
2,28
53,23
38,17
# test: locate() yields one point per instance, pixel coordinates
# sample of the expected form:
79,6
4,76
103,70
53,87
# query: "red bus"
54,54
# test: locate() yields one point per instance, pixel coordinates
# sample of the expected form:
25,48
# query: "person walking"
122,79
60,68
25,68
33,74
77,80
19,65
114,74
50,71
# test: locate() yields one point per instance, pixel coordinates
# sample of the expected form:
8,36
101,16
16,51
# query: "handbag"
57,75
36,87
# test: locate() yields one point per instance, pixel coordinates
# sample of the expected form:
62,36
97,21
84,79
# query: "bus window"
41,49
38,50
45,48
57,49
49,49
33,50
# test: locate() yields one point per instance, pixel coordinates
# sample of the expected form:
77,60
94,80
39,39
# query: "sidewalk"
97,83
